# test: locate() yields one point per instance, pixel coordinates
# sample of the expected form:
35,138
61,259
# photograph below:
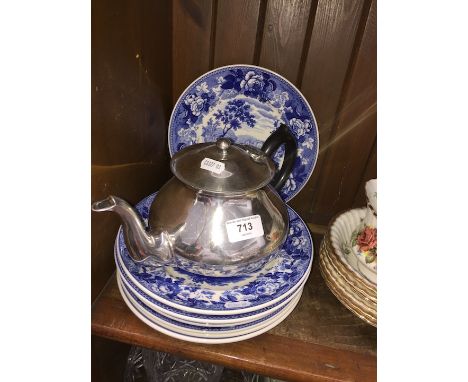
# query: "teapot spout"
142,246
107,204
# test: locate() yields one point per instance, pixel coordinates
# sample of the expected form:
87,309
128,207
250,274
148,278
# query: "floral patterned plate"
327,250
203,340
246,104
281,276
345,294
202,319
197,330
342,230
364,246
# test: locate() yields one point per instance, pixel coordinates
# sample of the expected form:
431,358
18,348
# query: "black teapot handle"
282,135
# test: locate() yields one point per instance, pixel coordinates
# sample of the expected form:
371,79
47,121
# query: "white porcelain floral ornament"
371,194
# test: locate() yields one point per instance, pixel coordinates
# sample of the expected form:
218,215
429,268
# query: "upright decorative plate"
246,104
281,276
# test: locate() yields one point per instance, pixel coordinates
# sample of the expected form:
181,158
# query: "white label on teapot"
244,228
212,165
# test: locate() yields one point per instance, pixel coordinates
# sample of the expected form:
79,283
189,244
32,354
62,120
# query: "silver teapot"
218,215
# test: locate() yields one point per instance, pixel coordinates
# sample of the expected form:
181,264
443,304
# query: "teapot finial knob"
223,143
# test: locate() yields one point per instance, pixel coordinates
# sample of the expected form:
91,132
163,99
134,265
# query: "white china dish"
326,250
342,294
341,231
357,299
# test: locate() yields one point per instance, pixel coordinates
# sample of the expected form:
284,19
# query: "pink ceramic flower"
367,239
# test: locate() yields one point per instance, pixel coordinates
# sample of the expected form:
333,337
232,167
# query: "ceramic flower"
308,143
196,106
189,99
252,81
297,241
280,99
202,88
365,242
301,128
187,135
289,185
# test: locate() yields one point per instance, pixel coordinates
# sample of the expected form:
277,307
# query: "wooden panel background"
131,103
327,48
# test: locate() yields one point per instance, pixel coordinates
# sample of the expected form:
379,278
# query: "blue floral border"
258,83
144,296
201,328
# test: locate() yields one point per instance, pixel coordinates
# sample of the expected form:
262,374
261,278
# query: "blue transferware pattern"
274,281
204,340
196,327
246,104
144,296
195,267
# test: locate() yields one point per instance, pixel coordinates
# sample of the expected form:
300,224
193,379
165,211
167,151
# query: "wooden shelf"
320,341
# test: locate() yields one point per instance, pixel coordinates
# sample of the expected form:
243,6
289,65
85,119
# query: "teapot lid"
223,167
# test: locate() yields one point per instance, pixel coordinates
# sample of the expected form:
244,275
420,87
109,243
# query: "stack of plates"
343,272
212,309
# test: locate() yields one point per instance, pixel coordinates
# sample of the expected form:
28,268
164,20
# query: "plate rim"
214,312
249,326
169,143
367,317
360,211
354,283
202,340
350,293
214,320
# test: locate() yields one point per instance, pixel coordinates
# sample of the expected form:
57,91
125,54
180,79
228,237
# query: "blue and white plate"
246,104
202,319
196,330
203,336
224,295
